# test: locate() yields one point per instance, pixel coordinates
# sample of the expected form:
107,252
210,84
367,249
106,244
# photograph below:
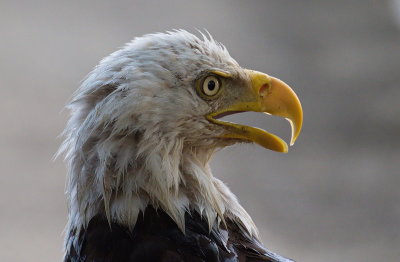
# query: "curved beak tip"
282,101
296,129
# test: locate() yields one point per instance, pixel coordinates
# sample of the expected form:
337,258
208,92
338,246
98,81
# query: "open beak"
272,96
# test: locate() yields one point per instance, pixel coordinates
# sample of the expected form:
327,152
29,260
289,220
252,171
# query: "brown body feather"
156,237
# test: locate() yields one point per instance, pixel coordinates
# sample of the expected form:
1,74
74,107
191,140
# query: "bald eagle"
144,125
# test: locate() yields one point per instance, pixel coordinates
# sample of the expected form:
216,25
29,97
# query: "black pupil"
211,85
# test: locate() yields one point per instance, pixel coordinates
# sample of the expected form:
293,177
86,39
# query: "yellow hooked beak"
272,96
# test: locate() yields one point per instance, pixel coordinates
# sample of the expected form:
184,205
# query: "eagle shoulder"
156,238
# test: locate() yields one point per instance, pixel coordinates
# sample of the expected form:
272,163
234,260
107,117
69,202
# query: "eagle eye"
211,86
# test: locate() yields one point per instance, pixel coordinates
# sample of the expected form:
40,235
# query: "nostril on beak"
264,90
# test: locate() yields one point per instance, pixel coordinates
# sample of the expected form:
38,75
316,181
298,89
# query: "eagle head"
146,121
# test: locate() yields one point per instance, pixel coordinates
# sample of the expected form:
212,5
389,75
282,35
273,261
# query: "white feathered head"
144,125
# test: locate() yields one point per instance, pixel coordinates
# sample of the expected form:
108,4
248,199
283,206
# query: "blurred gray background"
334,197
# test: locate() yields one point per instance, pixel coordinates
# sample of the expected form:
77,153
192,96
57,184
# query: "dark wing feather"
156,238
250,248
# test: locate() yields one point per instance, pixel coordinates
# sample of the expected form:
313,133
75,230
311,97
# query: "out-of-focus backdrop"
334,197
